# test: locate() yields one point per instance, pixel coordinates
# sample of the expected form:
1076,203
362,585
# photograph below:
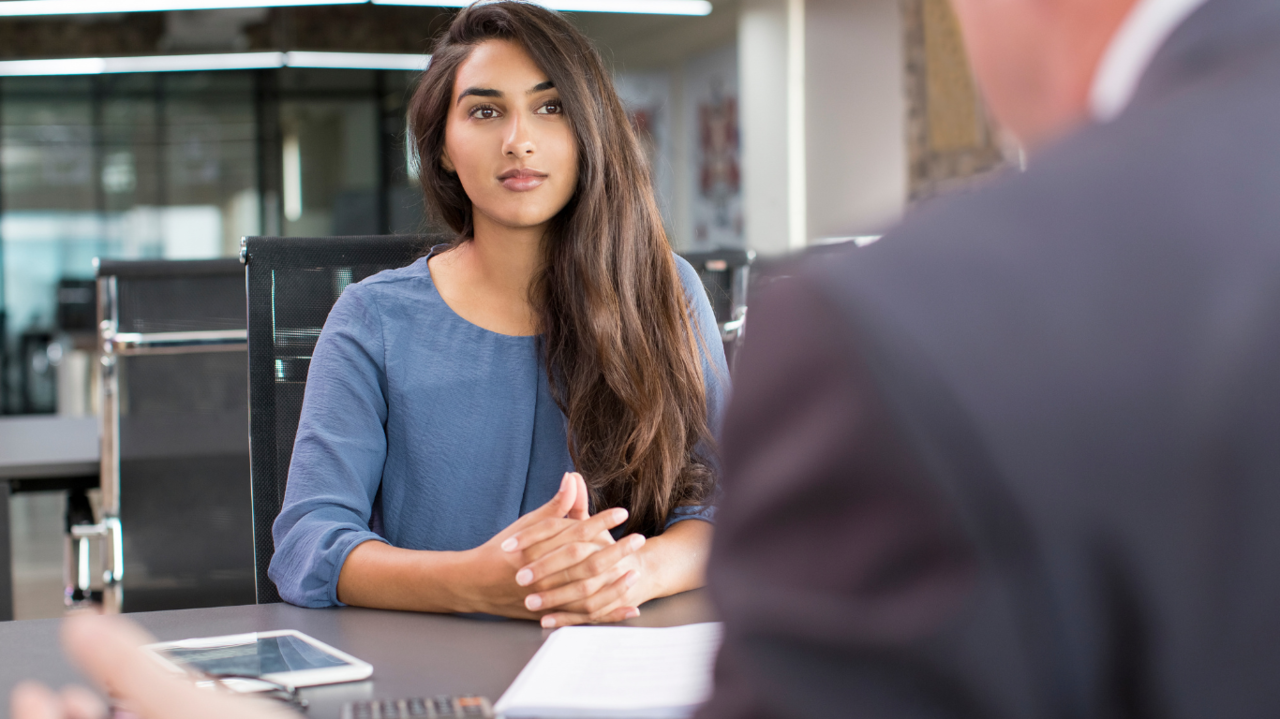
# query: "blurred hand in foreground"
109,651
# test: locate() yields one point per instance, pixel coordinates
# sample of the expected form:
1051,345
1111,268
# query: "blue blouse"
425,431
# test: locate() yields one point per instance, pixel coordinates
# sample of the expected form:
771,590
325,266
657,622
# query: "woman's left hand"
576,587
610,584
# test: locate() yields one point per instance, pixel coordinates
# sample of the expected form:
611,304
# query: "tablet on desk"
286,657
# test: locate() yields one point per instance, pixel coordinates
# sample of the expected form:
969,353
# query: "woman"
463,415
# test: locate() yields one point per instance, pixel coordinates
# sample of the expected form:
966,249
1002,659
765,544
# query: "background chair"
725,275
292,284
175,519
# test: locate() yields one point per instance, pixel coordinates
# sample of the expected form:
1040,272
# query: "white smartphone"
286,657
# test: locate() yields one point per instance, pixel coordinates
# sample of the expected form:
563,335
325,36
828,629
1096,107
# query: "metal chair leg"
81,534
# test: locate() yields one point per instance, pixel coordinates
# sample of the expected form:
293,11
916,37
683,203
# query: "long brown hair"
620,353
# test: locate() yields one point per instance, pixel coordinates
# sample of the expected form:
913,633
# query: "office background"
770,125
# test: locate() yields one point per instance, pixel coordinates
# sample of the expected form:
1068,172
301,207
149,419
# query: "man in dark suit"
1020,457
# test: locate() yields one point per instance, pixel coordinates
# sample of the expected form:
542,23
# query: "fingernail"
632,613
637,541
533,602
510,545
524,577
619,514
549,622
632,577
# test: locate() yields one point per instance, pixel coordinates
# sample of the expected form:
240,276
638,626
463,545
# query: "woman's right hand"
485,578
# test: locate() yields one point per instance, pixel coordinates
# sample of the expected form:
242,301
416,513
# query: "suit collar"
1147,26
1217,32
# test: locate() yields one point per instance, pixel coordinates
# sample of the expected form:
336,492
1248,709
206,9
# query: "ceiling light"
189,63
644,7
67,66
219,61
357,60
30,8
20,8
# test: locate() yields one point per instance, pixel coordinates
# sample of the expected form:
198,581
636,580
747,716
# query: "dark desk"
412,654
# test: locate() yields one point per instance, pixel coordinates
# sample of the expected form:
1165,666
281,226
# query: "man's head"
1035,59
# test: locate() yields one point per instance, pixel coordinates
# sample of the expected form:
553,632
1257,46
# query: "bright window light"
18,8
644,7
218,61
411,167
292,179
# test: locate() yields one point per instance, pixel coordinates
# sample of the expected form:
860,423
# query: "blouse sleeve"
338,455
715,375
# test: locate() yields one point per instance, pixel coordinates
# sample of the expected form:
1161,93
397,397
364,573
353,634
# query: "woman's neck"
505,259
486,280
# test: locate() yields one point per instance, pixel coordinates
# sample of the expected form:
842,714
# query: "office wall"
649,102
763,47
855,114
687,117
823,115
713,163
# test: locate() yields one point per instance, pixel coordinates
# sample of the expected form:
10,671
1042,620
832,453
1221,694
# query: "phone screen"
255,657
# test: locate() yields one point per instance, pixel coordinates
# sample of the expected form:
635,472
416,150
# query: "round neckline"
426,264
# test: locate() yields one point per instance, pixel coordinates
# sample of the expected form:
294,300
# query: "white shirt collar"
1148,24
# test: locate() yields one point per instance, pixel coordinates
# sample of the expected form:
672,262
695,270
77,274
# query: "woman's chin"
522,220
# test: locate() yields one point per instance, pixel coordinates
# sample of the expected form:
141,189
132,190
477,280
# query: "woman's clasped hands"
561,564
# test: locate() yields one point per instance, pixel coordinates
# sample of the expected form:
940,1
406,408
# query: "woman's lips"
522,180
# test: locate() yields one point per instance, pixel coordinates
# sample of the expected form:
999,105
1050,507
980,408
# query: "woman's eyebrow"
490,92
479,92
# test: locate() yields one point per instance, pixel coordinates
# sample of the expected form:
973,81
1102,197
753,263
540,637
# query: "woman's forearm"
676,560
380,576
482,579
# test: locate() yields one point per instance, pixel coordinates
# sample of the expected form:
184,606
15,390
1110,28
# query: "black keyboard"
442,707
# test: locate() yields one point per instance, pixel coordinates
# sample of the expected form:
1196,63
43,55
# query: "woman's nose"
519,141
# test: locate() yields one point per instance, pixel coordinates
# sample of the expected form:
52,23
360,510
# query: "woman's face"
508,138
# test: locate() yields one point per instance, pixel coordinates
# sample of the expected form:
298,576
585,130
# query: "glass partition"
176,166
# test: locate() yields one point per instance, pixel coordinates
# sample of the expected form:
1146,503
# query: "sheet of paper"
616,672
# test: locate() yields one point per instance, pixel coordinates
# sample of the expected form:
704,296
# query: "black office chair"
292,284
174,530
725,275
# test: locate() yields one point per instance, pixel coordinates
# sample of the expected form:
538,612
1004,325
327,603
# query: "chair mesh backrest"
725,274
719,270
184,450
178,295
292,283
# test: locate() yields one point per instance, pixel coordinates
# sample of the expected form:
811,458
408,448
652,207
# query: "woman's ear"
445,162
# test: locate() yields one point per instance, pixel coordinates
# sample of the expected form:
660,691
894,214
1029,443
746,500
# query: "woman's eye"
552,108
484,112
